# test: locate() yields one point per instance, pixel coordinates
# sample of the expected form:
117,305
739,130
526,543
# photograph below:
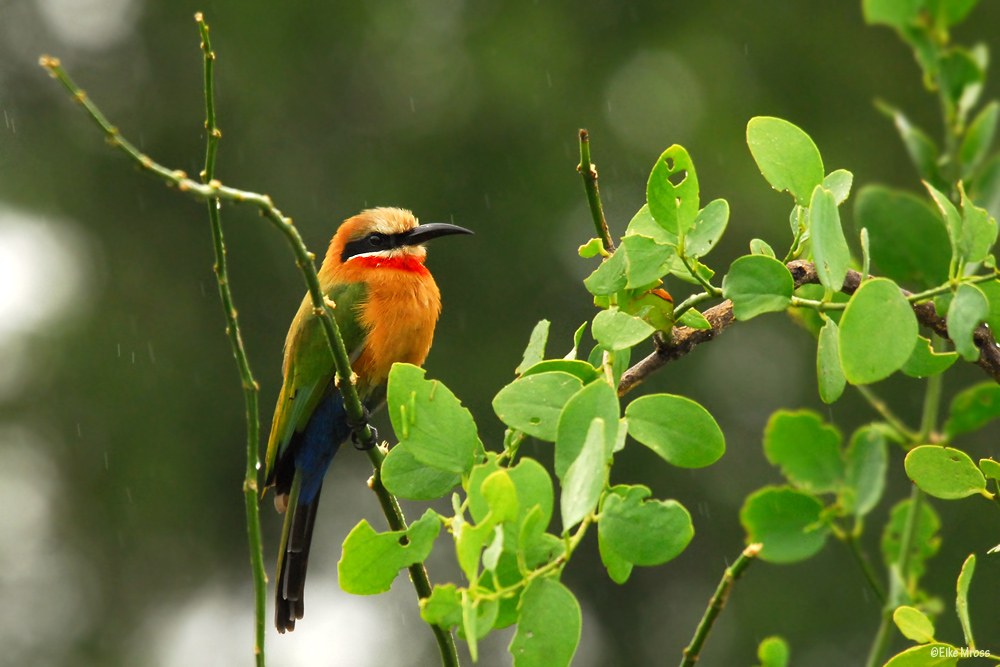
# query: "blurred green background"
121,416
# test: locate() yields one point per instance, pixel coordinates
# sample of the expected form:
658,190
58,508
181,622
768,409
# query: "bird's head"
385,237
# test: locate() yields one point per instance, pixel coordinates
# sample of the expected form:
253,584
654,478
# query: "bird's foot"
357,426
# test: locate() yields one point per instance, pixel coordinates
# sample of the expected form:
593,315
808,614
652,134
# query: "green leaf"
406,477
592,248
615,330
581,369
926,541
955,11
672,191
967,310
534,402
944,472
584,480
973,408
644,224
928,655
443,608
925,361
979,138
759,247
597,399
985,187
708,228
678,270
786,156
828,243
682,432
371,561
867,462
618,568
577,337
878,332
430,421
839,183
894,13
990,468
646,260
757,284
773,652
508,574
962,601
609,278
950,215
535,351
786,522
908,242
806,448
992,291
478,615
979,230
921,149
913,624
692,318
644,532
548,627
961,79
829,373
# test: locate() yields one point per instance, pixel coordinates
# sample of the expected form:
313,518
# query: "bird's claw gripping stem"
357,426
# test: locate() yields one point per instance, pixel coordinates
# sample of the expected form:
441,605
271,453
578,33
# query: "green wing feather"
309,365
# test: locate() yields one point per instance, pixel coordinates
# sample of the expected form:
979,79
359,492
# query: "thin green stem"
821,306
947,287
250,387
589,173
718,601
322,306
692,301
709,287
866,566
882,408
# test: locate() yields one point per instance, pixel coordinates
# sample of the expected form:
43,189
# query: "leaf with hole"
944,472
924,361
533,403
371,561
672,191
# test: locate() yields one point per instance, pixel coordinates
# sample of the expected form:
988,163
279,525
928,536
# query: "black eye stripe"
373,242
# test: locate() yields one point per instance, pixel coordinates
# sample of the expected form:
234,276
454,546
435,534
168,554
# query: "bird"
386,305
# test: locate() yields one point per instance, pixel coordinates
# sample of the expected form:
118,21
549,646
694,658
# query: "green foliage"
533,403
371,561
830,251
773,652
643,532
913,624
829,372
944,472
672,191
549,625
786,156
806,449
924,545
786,522
757,284
867,460
878,332
967,310
676,428
928,655
535,351
925,361
962,601
973,408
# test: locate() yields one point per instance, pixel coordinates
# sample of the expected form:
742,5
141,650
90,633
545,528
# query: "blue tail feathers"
327,428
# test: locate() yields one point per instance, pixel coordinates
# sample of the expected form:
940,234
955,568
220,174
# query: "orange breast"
400,313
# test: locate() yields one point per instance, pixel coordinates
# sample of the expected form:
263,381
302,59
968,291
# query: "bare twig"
589,173
304,260
717,603
250,387
685,339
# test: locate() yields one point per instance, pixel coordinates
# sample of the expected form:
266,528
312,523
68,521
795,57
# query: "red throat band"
406,263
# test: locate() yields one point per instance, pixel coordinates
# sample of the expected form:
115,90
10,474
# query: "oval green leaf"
404,476
878,332
913,624
973,408
830,251
757,284
925,361
944,472
806,448
548,626
672,191
829,372
786,522
597,399
786,156
708,228
682,432
616,330
534,402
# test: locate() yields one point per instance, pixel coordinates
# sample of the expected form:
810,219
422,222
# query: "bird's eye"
376,240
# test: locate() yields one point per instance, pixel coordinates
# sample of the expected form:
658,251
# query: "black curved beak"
423,233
